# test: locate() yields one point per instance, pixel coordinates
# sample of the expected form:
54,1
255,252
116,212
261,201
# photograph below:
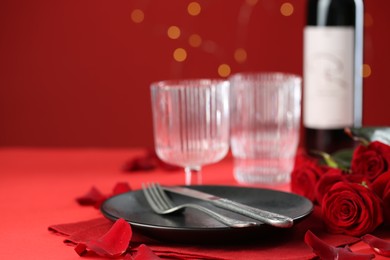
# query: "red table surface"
38,188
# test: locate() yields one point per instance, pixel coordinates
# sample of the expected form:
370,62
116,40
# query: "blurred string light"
194,8
243,18
224,70
240,55
368,22
251,2
195,40
287,9
180,54
366,71
173,32
137,16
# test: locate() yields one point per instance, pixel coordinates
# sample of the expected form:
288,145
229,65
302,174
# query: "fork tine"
163,195
160,196
150,198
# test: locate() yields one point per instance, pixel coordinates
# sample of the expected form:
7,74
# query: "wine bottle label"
328,77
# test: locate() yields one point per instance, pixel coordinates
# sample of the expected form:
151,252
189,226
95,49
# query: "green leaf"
327,159
369,134
343,158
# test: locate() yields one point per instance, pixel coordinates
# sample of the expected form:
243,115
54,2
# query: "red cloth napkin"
290,246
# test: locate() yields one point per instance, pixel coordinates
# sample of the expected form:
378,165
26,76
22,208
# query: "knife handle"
264,216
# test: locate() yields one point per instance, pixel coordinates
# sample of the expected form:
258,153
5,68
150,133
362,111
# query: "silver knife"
270,218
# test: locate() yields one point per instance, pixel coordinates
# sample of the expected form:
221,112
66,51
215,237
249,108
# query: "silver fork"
162,204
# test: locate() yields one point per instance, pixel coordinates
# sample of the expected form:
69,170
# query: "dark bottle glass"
333,58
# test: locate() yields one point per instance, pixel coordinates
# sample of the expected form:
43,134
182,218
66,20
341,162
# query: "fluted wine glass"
191,123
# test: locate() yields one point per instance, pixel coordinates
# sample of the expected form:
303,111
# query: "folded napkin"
289,246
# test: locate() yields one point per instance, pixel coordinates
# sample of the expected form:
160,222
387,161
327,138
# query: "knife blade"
267,217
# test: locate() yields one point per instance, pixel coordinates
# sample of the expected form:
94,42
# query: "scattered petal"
145,253
380,246
92,198
128,257
81,249
320,248
115,242
144,162
346,254
325,251
121,187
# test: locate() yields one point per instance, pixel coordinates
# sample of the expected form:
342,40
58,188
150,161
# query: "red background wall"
77,72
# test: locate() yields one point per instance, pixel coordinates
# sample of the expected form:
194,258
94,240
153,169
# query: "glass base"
263,171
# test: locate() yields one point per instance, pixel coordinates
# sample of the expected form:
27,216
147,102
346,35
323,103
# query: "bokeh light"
366,70
224,70
137,16
251,2
180,54
194,8
287,9
240,55
195,40
173,32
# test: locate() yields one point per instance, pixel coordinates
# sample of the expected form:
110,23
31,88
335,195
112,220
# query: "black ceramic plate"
194,226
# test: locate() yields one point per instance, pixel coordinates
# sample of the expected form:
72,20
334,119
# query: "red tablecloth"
38,188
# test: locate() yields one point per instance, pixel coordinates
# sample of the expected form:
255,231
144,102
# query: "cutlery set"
160,203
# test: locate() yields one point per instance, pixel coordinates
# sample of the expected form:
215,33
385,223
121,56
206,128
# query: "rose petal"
325,182
144,162
145,253
371,161
81,249
380,246
115,242
305,176
128,257
386,208
325,251
320,248
381,183
121,187
346,254
92,198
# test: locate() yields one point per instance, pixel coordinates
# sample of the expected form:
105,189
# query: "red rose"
381,186
351,209
371,161
326,181
305,176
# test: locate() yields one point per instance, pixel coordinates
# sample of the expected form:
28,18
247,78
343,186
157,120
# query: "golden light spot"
137,16
240,55
287,9
194,8
195,40
173,32
224,70
366,71
251,2
180,54
368,20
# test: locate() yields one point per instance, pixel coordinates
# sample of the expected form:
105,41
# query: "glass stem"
193,175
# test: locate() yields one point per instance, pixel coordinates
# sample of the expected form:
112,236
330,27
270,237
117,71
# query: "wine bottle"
333,58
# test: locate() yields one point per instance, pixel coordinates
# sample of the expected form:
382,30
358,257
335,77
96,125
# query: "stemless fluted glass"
191,123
